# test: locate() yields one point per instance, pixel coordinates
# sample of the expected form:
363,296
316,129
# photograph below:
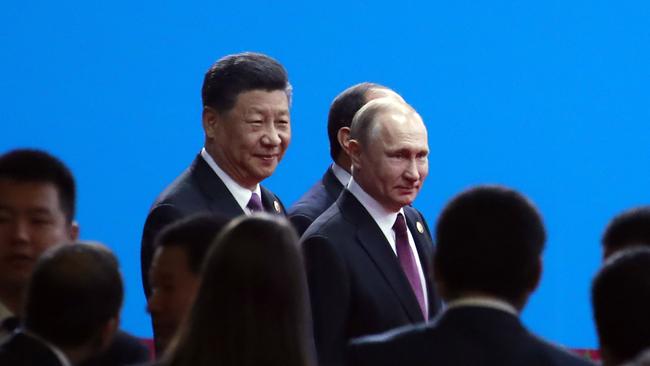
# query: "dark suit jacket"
464,336
313,203
197,189
356,284
125,349
23,350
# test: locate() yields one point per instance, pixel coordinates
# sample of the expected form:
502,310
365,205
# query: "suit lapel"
271,203
371,238
219,197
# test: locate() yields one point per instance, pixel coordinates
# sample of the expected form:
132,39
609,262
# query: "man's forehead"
33,193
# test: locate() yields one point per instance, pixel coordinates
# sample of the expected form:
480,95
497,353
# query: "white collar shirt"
341,174
485,302
242,195
385,220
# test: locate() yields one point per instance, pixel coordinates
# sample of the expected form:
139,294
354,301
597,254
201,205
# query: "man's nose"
411,172
20,231
271,136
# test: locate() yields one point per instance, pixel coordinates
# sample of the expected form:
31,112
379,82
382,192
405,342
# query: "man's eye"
41,220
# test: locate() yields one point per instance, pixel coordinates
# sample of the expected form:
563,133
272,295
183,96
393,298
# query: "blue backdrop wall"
548,97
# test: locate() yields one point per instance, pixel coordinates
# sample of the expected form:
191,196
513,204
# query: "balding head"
389,151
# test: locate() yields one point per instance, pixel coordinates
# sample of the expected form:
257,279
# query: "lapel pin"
276,204
419,226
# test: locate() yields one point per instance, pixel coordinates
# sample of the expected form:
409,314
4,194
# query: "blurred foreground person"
620,297
251,308
175,272
627,229
487,263
71,309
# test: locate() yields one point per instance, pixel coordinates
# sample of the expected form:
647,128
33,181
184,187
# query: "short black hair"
239,73
629,228
30,165
620,296
489,239
74,291
342,111
194,235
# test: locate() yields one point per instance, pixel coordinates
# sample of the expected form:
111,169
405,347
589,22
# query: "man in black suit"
72,308
620,296
489,242
367,256
322,194
247,129
37,208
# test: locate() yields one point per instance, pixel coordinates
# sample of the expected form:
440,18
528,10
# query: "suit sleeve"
329,292
157,219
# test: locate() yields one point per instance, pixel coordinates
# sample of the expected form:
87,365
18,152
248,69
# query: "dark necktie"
255,203
407,261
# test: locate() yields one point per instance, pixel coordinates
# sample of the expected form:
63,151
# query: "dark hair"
251,308
342,111
74,291
630,228
620,296
489,239
239,73
28,165
194,235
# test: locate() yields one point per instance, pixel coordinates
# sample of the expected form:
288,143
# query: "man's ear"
209,119
353,148
73,231
343,136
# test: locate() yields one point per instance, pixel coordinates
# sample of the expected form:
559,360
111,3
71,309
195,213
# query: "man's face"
174,287
31,221
250,140
393,163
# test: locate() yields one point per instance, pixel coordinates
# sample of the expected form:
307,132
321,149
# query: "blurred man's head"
37,207
342,111
489,241
389,151
175,271
628,229
74,297
246,119
620,296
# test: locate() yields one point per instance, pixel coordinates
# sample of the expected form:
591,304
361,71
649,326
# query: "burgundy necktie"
407,261
255,203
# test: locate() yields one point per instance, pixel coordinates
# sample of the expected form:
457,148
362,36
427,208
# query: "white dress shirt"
485,302
242,195
341,174
385,220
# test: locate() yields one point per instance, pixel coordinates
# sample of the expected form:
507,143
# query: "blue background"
551,98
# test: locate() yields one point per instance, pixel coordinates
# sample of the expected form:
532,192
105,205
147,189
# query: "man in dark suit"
620,296
322,194
247,129
489,242
367,256
65,280
37,208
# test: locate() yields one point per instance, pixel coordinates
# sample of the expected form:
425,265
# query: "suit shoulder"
394,347
559,354
329,223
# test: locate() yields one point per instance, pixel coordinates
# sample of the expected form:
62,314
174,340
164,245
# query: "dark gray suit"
197,189
24,350
313,203
463,336
356,284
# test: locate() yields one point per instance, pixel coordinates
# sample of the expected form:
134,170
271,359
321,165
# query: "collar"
242,195
485,302
4,312
340,174
385,219
60,355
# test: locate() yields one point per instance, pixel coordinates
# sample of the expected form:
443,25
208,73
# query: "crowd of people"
351,274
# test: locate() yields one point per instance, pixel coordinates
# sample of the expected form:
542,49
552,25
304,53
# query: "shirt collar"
60,355
485,302
385,219
4,312
341,174
242,195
